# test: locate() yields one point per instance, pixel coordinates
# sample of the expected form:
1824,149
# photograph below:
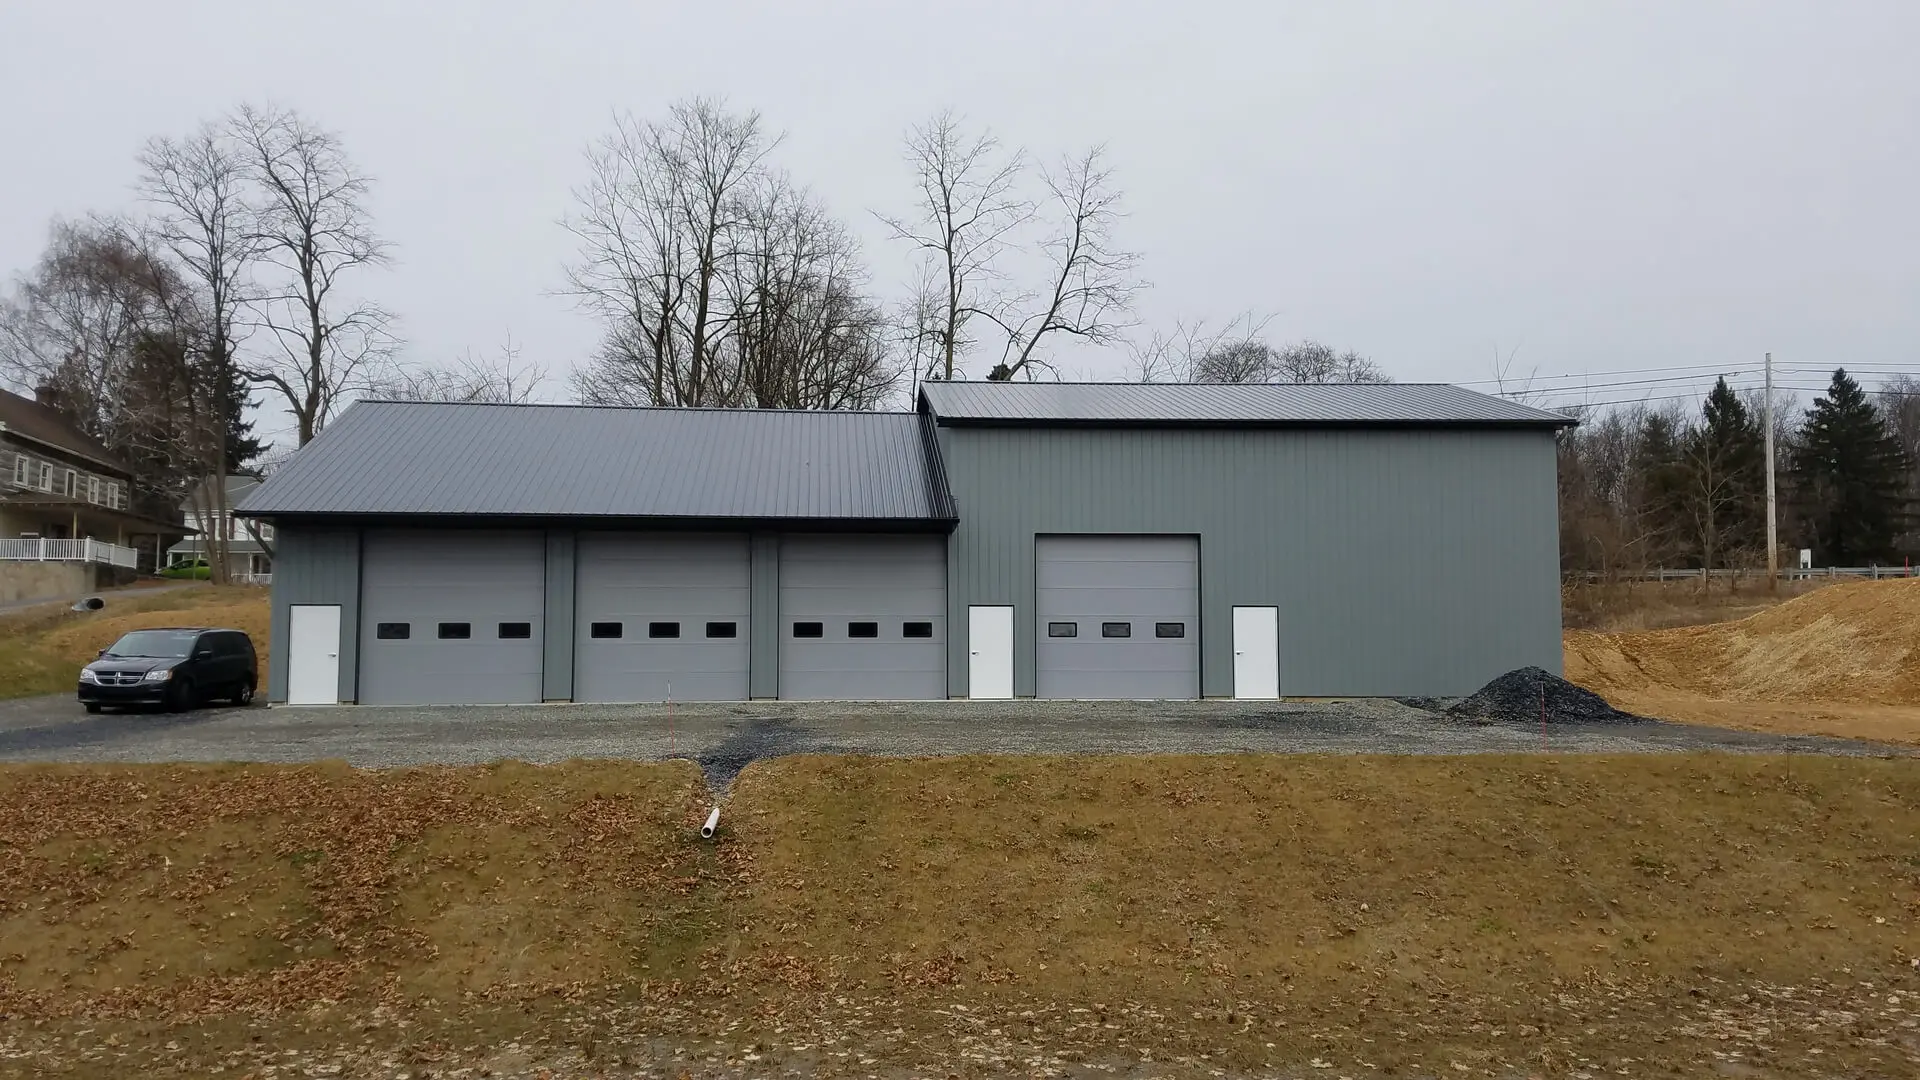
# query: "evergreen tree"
1726,461
243,449
1850,477
1660,487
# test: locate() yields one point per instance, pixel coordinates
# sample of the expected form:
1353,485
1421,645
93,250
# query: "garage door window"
809,629
863,629
1063,629
510,630
916,630
1116,629
393,631
604,630
723,629
1170,629
663,629
455,631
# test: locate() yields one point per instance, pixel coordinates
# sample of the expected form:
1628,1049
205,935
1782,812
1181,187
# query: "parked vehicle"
196,570
177,667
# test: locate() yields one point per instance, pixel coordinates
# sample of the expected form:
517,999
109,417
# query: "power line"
1707,368
1630,382
1704,371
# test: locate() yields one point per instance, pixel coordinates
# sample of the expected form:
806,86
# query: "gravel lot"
723,738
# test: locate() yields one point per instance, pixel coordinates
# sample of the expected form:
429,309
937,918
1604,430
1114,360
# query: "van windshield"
156,644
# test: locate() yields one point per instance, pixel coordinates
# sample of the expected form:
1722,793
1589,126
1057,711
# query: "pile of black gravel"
1531,695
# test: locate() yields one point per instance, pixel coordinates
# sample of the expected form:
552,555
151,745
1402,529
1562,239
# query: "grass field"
45,646
1381,915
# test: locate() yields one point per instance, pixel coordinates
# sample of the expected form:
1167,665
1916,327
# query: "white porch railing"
253,579
32,549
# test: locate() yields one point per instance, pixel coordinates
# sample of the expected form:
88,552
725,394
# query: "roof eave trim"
122,471
1249,424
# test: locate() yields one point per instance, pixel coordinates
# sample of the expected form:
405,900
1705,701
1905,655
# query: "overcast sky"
1599,186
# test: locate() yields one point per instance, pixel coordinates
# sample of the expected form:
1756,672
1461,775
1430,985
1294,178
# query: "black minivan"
178,667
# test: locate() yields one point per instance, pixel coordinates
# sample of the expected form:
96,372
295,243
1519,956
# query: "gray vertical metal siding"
1403,562
763,660
557,678
315,565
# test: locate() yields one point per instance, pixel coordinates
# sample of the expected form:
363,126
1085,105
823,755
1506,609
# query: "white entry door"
989,653
313,654
1256,653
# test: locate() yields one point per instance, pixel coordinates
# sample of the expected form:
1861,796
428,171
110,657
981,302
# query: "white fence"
1833,573
34,549
253,579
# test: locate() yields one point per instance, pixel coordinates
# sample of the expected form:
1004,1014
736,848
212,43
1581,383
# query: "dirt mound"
1857,643
1532,695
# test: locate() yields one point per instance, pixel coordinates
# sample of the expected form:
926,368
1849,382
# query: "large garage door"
1119,617
662,616
451,618
863,618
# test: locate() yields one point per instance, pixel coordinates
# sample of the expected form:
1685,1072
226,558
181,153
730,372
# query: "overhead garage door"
661,616
863,618
451,618
1119,617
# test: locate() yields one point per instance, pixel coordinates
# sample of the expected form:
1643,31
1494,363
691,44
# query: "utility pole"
1773,528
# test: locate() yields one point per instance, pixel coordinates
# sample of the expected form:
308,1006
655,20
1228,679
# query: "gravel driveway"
725,737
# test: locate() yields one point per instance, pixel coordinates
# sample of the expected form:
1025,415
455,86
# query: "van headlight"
87,675
160,675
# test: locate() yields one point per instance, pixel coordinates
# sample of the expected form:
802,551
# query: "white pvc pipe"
713,822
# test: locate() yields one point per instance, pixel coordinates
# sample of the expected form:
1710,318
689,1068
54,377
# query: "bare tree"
1235,352
806,335
1093,281
1238,352
500,379
314,229
198,183
1312,362
110,333
968,205
657,224
71,323
722,282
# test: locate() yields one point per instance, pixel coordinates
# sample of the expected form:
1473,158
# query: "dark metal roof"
415,459
1234,404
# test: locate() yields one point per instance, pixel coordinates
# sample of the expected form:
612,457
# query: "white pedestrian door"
313,654
989,653
1256,652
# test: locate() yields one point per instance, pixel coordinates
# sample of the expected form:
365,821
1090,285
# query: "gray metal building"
1002,540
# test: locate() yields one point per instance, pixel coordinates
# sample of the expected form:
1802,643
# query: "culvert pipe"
713,824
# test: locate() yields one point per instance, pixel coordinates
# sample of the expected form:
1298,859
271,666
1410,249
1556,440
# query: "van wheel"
180,695
243,694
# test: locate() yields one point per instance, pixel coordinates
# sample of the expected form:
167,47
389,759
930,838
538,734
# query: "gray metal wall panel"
427,577
315,566
688,580
886,580
557,683
1402,562
763,665
1086,583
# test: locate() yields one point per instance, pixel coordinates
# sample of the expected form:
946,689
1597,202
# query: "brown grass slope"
1396,910
42,649
1844,659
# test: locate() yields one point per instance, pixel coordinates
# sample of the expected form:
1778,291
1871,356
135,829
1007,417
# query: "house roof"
238,485
424,458
1236,404
38,423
